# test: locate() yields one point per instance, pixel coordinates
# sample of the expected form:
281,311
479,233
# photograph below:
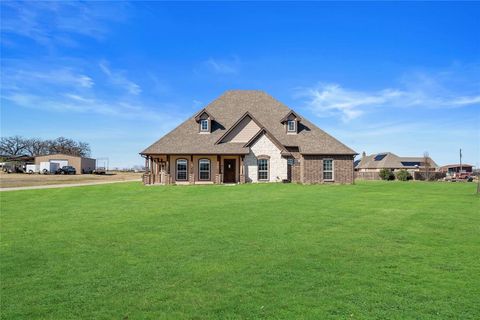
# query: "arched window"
182,169
203,169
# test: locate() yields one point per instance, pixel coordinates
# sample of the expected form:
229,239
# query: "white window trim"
268,170
209,169
176,170
208,125
294,126
333,169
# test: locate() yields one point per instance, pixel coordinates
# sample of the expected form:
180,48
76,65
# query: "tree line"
17,145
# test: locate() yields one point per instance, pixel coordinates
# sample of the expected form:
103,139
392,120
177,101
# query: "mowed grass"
366,251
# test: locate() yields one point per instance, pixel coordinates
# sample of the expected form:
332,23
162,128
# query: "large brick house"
247,136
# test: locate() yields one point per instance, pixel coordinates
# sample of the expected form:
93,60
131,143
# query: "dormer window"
292,126
204,127
204,120
290,121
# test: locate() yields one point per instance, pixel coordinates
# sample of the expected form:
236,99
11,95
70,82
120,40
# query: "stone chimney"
364,154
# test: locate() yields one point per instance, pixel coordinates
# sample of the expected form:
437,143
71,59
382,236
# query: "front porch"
194,169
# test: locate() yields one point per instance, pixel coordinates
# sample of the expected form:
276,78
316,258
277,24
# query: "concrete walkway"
65,185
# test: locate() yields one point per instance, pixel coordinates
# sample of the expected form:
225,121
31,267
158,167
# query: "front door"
229,170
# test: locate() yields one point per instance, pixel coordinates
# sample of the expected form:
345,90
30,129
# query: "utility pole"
461,160
426,165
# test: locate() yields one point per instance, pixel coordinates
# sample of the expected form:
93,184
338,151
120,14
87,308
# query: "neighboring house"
81,164
247,136
368,167
451,169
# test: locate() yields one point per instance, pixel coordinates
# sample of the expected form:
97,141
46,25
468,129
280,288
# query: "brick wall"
296,168
313,168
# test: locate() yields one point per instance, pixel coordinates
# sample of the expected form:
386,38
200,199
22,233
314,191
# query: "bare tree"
83,149
68,146
13,146
36,147
426,165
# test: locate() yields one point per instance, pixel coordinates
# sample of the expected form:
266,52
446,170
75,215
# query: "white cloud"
461,101
119,78
54,88
328,99
419,90
60,76
86,81
223,66
50,23
73,102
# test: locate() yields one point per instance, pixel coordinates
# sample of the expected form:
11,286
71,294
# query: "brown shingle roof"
391,161
230,107
455,165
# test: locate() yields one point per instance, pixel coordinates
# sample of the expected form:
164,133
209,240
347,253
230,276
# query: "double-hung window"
262,169
204,125
204,169
328,169
291,126
182,166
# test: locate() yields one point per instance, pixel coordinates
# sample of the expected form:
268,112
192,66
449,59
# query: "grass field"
14,180
367,251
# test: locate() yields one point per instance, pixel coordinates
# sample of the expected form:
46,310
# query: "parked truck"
66,170
462,175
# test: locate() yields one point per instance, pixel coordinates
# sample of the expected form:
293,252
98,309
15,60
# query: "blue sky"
399,77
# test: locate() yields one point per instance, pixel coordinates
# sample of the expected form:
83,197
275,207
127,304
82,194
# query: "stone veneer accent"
166,178
278,164
313,168
191,177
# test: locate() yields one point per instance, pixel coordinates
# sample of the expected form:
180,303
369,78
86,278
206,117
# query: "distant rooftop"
390,160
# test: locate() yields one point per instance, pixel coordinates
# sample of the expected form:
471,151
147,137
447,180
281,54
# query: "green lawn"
371,250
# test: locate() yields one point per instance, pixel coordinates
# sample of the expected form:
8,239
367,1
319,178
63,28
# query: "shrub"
403,175
432,176
386,174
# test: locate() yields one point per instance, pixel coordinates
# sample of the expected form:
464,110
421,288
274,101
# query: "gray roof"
392,161
230,107
456,165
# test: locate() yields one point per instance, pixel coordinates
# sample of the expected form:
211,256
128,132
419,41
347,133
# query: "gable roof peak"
201,112
291,112
264,131
246,114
